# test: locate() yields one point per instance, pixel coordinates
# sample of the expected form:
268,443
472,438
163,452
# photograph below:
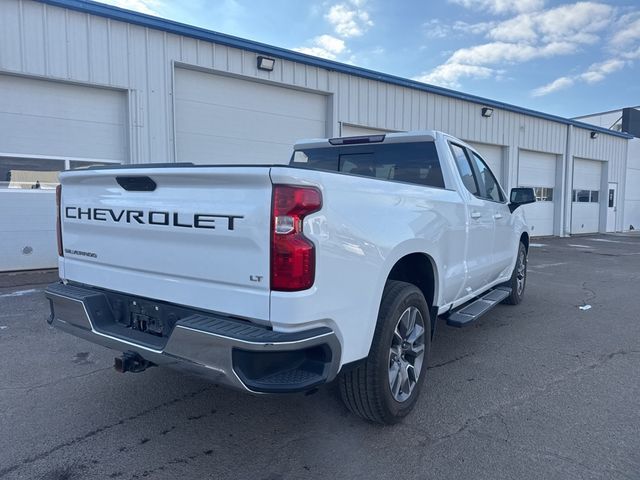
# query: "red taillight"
58,225
293,257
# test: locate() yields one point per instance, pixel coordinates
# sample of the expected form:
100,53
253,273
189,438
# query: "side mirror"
521,196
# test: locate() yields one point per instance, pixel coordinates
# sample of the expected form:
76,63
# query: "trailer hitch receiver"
131,362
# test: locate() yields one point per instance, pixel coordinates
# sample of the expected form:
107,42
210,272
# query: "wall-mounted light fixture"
266,63
594,134
487,112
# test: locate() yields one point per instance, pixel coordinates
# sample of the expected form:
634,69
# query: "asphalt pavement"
545,389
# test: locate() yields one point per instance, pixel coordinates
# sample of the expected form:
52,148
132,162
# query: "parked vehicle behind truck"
279,278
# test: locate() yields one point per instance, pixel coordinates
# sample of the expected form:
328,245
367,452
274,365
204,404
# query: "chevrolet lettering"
196,220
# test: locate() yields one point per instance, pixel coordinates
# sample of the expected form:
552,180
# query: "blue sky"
565,58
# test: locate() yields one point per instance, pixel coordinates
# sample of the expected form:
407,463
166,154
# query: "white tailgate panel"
208,268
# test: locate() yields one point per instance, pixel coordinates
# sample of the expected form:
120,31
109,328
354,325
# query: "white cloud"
558,84
325,46
584,22
594,74
632,54
434,28
150,7
449,74
349,19
627,31
501,6
474,28
578,23
480,61
502,52
531,34
331,44
599,71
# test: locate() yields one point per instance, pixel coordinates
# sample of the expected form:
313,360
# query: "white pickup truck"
279,278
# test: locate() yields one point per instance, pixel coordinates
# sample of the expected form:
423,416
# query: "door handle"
497,216
476,214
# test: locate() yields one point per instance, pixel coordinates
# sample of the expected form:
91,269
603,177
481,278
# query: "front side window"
414,162
464,167
489,187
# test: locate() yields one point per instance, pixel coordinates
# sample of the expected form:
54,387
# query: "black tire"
519,273
366,388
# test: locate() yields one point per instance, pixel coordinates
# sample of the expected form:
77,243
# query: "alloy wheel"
406,355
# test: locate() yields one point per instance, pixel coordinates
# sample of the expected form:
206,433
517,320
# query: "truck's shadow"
190,423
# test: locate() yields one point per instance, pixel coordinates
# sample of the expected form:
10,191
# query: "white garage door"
347,130
538,170
40,117
226,120
585,211
42,125
492,155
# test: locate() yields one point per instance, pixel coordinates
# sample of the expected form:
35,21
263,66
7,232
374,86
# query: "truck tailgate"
199,238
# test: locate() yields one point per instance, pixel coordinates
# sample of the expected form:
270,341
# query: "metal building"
625,120
83,83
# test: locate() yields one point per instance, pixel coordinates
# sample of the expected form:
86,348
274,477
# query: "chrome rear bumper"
225,350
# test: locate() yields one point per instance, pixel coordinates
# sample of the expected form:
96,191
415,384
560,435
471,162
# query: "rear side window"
415,162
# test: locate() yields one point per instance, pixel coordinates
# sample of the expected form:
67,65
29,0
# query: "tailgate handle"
137,184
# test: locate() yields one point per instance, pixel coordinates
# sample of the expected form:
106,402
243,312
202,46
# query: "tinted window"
489,187
464,167
415,162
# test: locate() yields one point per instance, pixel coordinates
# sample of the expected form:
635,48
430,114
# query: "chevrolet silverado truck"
279,278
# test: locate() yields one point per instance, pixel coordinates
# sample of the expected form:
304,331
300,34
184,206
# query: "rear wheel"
386,385
518,280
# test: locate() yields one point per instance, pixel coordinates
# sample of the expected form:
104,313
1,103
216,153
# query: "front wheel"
518,279
385,386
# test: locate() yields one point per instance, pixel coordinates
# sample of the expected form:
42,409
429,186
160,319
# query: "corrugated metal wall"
46,41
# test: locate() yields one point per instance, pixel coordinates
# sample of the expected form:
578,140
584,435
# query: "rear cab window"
412,162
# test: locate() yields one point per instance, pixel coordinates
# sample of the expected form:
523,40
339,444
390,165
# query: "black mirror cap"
521,196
